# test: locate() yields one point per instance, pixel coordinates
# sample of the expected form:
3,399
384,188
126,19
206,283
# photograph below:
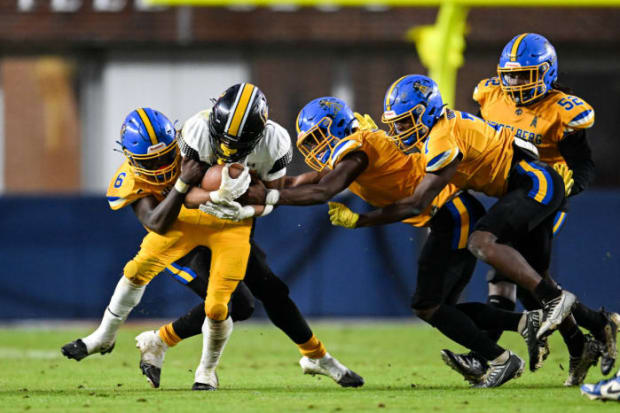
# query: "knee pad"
216,311
134,275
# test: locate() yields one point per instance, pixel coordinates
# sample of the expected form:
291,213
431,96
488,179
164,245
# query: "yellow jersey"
125,189
486,152
544,123
390,175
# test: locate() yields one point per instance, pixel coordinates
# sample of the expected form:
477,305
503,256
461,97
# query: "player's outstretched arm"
575,149
159,216
413,205
330,184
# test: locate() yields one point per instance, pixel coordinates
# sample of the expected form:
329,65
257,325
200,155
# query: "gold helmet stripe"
243,103
389,92
148,125
515,47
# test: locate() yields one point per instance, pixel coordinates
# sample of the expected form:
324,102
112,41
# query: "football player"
462,150
237,130
154,181
525,99
367,163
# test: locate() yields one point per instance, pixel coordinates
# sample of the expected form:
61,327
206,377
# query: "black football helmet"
237,122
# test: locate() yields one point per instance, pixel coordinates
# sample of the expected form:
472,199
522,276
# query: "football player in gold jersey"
461,149
525,99
367,163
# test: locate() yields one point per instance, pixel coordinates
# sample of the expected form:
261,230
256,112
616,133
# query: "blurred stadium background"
70,70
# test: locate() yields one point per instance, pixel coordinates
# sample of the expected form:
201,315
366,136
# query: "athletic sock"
593,321
547,290
312,348
215,336
502,303
190,324
168,335
488,317
573,337
285,315
456,325
125,297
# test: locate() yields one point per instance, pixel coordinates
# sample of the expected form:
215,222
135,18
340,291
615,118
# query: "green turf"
259,373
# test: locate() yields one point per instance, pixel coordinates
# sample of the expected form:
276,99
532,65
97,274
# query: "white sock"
522,321
126,296
215,335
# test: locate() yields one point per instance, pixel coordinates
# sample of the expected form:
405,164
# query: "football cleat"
205,380
538,349
603,390
578,366
555,311
152,353
470,366
330,367
610,352
499,373
77,350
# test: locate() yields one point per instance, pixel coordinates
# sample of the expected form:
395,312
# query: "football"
212,178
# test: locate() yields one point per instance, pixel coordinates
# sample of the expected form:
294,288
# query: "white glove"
230,210
231,188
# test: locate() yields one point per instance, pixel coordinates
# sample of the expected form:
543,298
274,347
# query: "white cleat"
554,312
152,353
205,380
330,367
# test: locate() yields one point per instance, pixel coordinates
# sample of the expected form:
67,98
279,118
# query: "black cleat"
76,350
538,349
152,373
500,373
469,365
203,387
609,350
351,379
578,366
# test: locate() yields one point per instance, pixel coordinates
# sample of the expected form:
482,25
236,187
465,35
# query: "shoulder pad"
122,190
574,112
345,147
195,133
484,88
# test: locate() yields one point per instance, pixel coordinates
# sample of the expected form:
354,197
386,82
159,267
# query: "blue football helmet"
148,139
411,107
321,124
527,68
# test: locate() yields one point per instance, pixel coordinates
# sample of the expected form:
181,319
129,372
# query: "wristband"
267,210
215,197
272,197
180,186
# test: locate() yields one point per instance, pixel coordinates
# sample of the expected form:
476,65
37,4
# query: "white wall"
178,86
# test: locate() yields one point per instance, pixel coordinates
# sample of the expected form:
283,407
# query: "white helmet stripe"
234,107
247,111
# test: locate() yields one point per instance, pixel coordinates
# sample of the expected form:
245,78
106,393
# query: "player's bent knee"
133,274
479,243
426,313
216,311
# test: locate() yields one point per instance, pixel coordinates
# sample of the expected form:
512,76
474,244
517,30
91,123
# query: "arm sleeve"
576,151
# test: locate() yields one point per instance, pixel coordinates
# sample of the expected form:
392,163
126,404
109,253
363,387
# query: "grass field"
259,373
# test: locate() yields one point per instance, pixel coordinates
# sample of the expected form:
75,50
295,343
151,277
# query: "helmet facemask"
317,143
160,167
407,130
524,84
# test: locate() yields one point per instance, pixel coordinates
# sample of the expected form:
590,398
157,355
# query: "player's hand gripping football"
192,171
231,188
231,210
340,215
567,175
365,122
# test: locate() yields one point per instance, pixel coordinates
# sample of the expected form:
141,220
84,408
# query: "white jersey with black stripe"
268,159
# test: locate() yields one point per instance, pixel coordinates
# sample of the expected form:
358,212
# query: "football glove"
231,188
365,122
340,215
230,210
567,175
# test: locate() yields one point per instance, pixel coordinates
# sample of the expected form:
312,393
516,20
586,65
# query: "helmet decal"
148,125
227,150
239,110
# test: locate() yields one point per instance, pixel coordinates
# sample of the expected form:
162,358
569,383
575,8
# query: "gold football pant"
228,241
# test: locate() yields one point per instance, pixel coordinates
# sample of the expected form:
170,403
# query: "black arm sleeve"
576,151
